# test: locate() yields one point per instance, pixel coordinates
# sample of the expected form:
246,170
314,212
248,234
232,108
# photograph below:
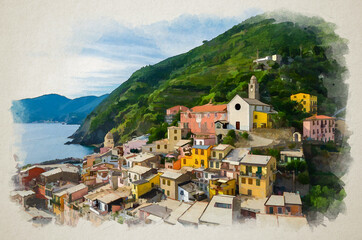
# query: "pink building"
135,143
171,112
205,139
319,127
201,119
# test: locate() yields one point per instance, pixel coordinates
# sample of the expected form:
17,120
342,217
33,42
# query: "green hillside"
221,68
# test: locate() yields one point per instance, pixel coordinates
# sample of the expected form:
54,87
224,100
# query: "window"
287,210
168,193
158,147
163,181
150,149
220,155
214,154
317,131
175,138
196,151
206,175
237,106
168,182
202,151
182,192
211,164
135,177
175,131
280,210
184,161
313,122
243,180
165,146
271,210
152,184
256,117
217,164
196,162
222,205
250,181
257,182
313,131
202,163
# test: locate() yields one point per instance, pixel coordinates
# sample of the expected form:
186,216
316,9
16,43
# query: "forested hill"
221,68
54,108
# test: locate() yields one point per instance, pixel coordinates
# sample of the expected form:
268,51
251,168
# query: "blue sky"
109,52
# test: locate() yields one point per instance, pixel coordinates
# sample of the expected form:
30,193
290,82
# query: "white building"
241,111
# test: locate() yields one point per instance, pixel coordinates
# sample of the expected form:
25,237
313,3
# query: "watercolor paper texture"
201,118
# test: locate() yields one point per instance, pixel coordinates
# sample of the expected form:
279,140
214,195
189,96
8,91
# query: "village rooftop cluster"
177,180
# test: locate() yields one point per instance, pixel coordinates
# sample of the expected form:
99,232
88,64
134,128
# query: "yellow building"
145,185
262,120
257,175
58,202
309,102
199,158
222,186
217,154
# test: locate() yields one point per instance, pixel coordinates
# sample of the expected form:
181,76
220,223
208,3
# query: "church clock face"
237,106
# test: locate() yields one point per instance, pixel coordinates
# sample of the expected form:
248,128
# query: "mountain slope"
221,68
53,107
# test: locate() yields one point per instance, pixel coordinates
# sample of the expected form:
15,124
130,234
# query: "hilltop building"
320,128
239,114
171,113
309,102
108,140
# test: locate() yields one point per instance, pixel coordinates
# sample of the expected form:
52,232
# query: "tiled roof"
275,200
292,198
210,108
201,146
139,169
253,101
157,210
76,188
221,147
320,117
255,159
171,174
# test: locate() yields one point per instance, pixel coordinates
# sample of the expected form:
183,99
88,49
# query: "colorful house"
171,113
257,175
145,185
168,145
222,186
230,166
320,128
288,204
169,181
201,119
29,175
309,102
199,158
135,145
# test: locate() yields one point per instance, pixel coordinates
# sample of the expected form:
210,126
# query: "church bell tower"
254,88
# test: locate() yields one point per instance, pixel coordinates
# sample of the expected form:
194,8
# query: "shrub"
245,135
303,177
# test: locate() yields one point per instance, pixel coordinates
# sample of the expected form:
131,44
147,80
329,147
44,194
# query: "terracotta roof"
177,108
317,117
210,108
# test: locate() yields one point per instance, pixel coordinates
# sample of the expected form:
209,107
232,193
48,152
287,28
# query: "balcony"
257,175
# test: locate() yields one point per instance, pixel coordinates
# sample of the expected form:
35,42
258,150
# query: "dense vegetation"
221,68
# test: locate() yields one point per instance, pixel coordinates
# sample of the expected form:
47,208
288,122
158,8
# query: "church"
242,114
248,113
